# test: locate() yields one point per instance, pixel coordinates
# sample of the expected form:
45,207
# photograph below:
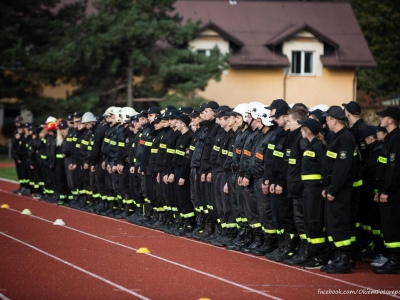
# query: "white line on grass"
120,287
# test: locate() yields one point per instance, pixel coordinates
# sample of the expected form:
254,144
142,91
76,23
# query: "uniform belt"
311,177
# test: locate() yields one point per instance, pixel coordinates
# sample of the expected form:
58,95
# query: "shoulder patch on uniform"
288,151
363,145
342,154
392,156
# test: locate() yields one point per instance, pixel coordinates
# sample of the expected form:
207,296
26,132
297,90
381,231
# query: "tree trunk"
129,89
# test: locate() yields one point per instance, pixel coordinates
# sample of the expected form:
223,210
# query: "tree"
144,39
28,29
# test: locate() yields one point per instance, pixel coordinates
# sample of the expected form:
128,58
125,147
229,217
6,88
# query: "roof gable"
225,34
291,31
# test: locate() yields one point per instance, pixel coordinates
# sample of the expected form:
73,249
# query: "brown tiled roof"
261,27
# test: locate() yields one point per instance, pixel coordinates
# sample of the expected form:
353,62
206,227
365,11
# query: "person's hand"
245,182
181,181
132,170
265,188
226,190
158,177
171,178
103,165
209,177
272,188
240,181
278,190
330,197
323,194
203,177
85,166
383,198
165,179
93,169
376,197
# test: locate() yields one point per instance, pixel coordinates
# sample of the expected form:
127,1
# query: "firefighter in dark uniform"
368,212
313,202
388,174
51,128
294,182
60,180
282,206
181,166
20,152
34,161
215,205
19,121
338,189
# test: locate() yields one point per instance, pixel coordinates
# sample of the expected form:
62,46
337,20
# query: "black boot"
240,236
215,235
279,249
159,221
242,242
178,223
287,247
95,206
136,215
208,230
109,210
302,256
341,265
188,225
168,222
103,206
392,266
199,225
257,242
269,245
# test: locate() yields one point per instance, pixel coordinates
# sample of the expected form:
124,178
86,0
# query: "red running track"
94,257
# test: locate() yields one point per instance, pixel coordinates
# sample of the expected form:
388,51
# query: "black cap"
223,112
70,117
186,110
281,110
32,127
185,119
37,130
352,107
18,119
367,131
77,115
314,126
390,111
27,124
169,106
63,124
135,117
195,113
380,128
171,114
19,125
153,110
276,103
143,113
158,119
212,105
319,114
335,112
100,118
202,107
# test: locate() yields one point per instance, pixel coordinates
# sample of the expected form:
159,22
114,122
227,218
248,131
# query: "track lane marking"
160,258
220,248
120,287
3,297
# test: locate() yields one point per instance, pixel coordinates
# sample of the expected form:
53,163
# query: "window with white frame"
204,52
302,63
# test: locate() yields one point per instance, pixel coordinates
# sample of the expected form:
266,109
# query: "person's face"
20,130
281,121
42,134
89,125
384,121
76,122
63,132
231,121
330,122
248,118
151,117
223,122
239,120
195,121
81,126
172,123
208,114
292,123
143,120
158,125
137,124
164,123
178,125
70,124
381,135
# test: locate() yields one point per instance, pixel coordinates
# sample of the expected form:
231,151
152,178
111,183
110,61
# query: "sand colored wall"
237,86
58,92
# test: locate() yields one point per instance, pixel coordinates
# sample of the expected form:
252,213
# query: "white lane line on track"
162,259
9,180
120,287
3,297
223,249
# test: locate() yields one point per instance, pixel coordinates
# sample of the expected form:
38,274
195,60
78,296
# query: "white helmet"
127,112
242,109
254,108
108,111
116,111
264,115
88,117
322,107
51,119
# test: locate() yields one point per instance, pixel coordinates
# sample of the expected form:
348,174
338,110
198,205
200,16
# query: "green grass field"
8,173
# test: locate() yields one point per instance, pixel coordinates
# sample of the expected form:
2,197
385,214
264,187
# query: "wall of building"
334,87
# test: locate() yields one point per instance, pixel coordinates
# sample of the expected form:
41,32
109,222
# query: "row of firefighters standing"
295,185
